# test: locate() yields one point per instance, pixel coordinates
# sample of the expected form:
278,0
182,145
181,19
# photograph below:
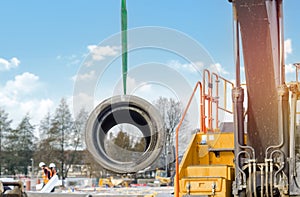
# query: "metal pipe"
236,93
207,96
271,177
282,64
236,45
254,178
296,72
240,118
240,110
297,66
267,177
237,148
239,168
176,188
216,98
225,84
283,120
293,111
281,42
277,172
282,91
262,182
281,168
202,113
250,179
238,99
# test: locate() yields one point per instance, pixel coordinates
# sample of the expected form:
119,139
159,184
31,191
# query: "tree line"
61,139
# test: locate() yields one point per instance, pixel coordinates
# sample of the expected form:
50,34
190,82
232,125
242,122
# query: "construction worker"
53,172
46,173
52,168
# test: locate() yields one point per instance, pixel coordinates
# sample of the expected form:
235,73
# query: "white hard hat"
52,165
41,164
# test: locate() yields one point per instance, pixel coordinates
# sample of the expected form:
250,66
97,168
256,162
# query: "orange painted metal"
202,125
215,97
207,96
206,99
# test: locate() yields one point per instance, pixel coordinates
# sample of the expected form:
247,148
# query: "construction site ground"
102,191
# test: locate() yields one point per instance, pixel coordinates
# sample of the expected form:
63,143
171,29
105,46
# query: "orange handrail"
202,125
215,99
208,97
225,94
297,65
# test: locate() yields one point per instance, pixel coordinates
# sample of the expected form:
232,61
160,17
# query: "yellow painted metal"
207,180
207,168
162,177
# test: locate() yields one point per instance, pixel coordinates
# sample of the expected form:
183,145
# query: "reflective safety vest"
53,172
47,174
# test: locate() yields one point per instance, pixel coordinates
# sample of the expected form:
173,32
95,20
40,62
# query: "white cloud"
287,47
22,84
37,109
134,86
289,68
86,76
190,67
220,69
81,100
100,52
17,99
9,64
146,87
196,66
131,84
45,105
70,60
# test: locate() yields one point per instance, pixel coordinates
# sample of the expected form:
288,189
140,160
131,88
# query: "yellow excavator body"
207,168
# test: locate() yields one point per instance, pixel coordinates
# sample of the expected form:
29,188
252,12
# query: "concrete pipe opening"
124,134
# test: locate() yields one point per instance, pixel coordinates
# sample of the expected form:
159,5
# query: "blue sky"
44,44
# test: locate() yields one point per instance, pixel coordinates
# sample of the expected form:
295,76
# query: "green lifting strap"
124,44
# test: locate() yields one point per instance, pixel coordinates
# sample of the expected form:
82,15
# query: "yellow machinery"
162,177
207,167
260,160
215,174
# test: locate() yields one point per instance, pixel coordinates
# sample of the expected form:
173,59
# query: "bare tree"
63,124
78,135
58,142
45,126
171,112
48,147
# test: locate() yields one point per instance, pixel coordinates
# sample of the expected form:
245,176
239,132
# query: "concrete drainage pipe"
133,112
